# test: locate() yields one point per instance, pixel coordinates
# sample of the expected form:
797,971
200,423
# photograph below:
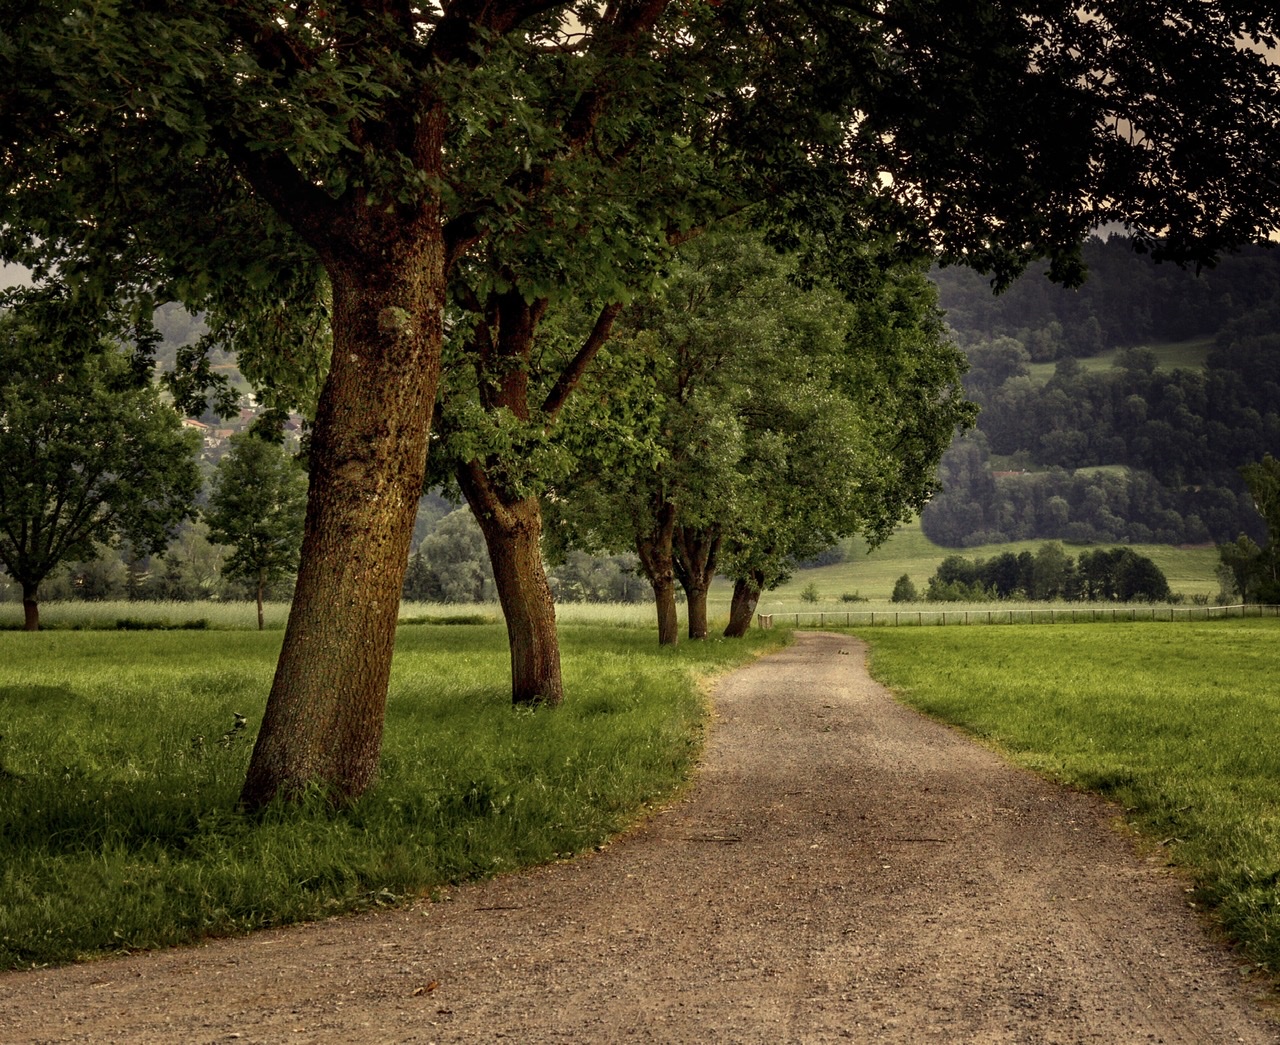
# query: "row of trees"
1114,574
91,453
380,162
764,424
451,564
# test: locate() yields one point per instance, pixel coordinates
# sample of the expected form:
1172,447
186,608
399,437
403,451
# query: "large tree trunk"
30,607
512,528
696,550
746,594
323,722
658,561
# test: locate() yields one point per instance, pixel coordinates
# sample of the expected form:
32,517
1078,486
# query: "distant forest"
1121,411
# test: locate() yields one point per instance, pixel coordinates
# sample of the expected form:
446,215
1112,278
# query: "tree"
1241,559
784,419
903,590
1263,480
458,567
418,586
256,505
1052,572
88,453
269,160
1140,579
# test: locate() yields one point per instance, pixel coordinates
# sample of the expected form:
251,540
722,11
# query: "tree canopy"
269,160
89,452
256,505
771,421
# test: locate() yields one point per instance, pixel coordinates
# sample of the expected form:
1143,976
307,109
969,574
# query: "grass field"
243,616
869,574
120,765
872,575
1174,722
1172,355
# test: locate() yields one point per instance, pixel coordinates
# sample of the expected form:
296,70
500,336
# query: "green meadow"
1176,723
121,762
1170,355
871,573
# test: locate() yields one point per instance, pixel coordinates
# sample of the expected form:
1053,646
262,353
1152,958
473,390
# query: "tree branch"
301,203
572,374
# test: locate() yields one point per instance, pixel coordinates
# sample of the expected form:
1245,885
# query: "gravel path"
842,869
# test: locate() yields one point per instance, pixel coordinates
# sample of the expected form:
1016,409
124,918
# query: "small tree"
903,590
1263,480
417,585
90,453
256,506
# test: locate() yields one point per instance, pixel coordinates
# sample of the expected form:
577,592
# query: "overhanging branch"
572,374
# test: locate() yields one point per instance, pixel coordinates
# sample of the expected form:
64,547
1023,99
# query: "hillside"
1120,412
871,575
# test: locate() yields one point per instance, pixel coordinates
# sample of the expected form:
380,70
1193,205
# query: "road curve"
842,869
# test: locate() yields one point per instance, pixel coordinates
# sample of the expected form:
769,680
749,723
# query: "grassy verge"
121,762
1175,722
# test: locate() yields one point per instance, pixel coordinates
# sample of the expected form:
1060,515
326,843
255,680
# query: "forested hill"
1117,412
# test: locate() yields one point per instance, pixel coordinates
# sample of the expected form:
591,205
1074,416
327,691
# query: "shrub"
903,590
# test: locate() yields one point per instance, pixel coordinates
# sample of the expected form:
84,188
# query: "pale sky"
12,276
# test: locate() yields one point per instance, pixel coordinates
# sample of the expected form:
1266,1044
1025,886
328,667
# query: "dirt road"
842,869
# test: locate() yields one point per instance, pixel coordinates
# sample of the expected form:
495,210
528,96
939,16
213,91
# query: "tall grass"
1175,722
121,763
121,615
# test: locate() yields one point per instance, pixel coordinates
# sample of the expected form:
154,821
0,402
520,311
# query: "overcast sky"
12,275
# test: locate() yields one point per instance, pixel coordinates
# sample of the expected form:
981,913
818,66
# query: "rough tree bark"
696,551
746,594
323,722
657,558
511,521
512,529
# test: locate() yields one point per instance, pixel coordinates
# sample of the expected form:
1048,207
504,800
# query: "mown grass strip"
120,764
1178,724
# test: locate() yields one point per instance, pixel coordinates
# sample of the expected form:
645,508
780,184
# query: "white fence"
1011,615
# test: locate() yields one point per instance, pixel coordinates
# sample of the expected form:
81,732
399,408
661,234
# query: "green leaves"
86,455
784,418
256,505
